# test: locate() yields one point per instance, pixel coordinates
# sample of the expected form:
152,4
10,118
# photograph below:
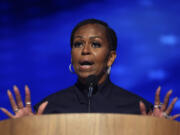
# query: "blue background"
35,45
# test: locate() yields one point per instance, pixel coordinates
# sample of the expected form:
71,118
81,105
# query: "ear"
111,58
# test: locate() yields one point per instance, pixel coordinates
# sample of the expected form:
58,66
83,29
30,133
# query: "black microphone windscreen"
91,80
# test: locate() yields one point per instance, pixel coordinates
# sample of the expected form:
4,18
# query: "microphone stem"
90,97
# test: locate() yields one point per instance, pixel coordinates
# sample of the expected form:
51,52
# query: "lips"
85,65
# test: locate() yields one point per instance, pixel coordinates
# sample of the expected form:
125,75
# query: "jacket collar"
81,90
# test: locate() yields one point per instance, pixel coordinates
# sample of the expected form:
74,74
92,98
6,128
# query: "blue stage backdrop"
35,45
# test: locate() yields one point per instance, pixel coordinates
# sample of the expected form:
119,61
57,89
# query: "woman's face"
90,52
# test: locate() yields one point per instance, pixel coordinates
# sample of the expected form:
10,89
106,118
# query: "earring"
70,68
109,70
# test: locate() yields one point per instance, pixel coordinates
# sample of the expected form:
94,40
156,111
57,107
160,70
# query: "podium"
89,124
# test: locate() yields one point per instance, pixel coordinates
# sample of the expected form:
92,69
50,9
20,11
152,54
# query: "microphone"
91,82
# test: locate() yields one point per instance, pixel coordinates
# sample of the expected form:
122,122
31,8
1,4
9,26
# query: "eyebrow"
90,37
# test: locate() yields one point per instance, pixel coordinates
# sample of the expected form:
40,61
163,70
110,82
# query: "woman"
93,51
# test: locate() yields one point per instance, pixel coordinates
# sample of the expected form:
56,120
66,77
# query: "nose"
86,49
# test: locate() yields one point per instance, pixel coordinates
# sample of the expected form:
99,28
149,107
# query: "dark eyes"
78,44
96,45
93,44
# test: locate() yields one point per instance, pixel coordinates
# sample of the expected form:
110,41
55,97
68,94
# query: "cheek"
102,59
74,56
74,59
102,56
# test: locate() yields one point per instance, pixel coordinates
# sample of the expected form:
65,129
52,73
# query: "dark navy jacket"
107,98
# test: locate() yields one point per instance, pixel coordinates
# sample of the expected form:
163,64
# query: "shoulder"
64,93
121,92
124,96
58,97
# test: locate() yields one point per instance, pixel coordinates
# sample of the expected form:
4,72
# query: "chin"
85,75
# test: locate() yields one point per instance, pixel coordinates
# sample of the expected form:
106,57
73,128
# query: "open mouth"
85,65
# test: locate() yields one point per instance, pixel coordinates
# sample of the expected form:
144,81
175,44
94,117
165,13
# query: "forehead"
89,29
